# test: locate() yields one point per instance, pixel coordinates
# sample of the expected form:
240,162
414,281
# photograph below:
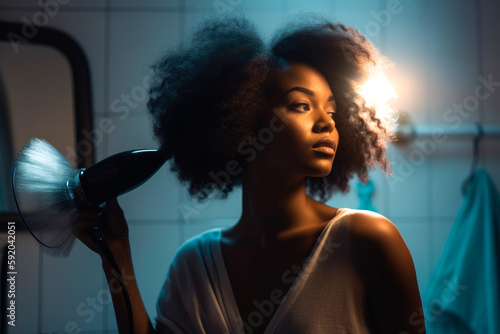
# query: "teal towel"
365,192
463,293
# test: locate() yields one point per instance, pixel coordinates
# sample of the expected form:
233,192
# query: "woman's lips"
325,145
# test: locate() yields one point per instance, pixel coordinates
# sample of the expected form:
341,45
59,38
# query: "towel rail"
408,132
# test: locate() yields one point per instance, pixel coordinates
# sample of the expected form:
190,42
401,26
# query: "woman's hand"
110,220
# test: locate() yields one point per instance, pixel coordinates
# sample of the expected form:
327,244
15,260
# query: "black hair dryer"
113,176
49,190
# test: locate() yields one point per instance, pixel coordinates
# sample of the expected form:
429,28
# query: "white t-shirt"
326,296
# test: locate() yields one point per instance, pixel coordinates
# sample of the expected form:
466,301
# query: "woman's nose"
324,123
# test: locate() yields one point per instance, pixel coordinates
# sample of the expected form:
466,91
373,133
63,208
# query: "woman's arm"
142,324
114,227
386,265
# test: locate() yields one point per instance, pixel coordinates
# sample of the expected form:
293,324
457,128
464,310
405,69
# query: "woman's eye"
332,114
301,106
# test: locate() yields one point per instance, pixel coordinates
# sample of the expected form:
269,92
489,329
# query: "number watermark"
11,273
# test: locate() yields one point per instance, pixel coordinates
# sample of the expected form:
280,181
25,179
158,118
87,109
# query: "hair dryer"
48,189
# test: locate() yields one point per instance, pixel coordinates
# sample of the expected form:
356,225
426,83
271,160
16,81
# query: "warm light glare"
379,94
378,91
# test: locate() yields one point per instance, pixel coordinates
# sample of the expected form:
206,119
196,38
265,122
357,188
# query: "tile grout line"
107,38
40,288
431,236
430,176
180,192
95,9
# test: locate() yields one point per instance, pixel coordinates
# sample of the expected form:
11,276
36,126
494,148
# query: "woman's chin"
320,171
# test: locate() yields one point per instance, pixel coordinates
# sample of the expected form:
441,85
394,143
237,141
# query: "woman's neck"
275,205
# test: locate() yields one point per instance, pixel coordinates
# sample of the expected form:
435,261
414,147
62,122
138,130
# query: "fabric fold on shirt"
326,296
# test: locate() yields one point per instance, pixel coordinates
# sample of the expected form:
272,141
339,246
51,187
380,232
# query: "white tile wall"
193,228
103,126
71,286
440,228
405,195
453,76
130,132
415,232
145,4
360,15
433,46
491,54
448,174
348,200
491,148
155,199
137,41
297,7
61,3
27,284
260,5
267,22
351,200
206,5
153,244
191,210
407,48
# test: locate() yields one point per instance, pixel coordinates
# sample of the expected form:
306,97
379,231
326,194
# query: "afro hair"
208,97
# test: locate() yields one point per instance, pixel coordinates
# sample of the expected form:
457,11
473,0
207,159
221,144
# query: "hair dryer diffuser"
49,190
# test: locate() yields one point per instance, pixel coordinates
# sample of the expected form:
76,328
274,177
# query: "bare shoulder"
374,227
377,246
385,264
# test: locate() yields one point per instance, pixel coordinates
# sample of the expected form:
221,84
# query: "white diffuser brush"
49,189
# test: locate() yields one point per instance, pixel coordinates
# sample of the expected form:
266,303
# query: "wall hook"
475,160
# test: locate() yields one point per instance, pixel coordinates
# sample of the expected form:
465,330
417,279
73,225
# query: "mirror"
44,93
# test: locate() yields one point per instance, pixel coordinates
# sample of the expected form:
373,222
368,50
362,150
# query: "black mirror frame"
75,55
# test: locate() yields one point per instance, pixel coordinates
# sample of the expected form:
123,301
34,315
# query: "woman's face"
306,143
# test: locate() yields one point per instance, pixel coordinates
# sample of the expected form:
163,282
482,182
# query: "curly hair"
208,97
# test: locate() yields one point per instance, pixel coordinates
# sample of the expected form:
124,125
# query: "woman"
287,123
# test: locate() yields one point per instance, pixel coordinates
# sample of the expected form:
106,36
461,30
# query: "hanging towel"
463,295
365,192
